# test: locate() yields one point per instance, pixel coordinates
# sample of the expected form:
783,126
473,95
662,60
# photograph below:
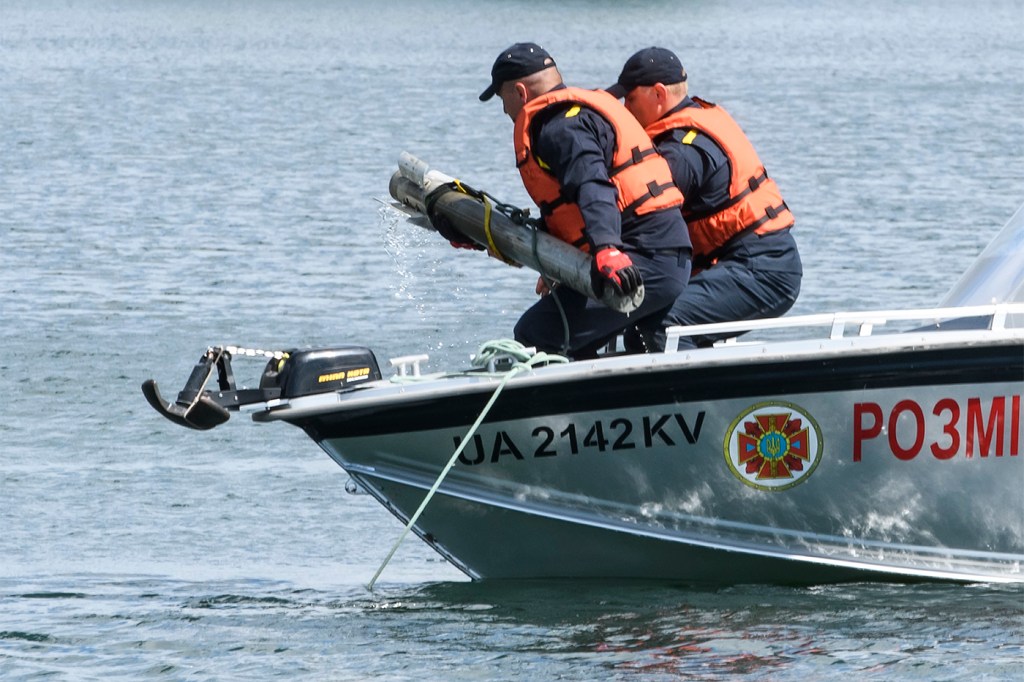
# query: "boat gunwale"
433,387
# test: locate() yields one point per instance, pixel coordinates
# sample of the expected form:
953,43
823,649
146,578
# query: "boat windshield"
997,274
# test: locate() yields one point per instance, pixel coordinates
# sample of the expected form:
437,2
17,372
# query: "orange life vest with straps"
640,175
754,204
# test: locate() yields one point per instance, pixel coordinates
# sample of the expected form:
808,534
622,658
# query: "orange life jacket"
640,175
754,199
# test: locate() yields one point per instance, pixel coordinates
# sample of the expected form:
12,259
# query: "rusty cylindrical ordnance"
415,181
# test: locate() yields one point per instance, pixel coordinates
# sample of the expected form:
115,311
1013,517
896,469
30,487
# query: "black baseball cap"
648,66
518,61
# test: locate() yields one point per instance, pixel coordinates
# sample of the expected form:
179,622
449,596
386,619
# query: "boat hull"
844,465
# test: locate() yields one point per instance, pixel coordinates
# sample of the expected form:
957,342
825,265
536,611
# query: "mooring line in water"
488,352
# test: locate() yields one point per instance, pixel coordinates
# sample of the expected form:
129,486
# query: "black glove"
613,267
445,228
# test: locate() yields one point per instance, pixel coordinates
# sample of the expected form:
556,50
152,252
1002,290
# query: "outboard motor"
287,375
306,372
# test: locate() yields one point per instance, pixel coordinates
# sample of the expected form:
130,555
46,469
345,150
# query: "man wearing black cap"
601,186
745,261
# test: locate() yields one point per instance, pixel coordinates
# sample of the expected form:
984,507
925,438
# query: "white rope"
491,349
255,352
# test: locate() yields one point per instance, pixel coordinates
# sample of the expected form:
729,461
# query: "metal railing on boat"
994,317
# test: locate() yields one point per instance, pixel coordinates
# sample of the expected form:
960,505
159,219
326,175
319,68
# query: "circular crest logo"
773,446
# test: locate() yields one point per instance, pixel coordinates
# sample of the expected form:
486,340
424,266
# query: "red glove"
611,266
466,245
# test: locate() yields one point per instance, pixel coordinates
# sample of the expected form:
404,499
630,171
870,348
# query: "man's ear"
522,92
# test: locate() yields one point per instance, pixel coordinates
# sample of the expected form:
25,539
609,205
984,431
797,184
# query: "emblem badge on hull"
773,446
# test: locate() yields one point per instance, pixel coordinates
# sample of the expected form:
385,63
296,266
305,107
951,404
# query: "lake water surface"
176,174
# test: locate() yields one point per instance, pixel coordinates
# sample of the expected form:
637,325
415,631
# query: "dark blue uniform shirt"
700,168
578,150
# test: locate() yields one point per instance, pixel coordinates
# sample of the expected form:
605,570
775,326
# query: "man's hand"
445,228
465,245
611,266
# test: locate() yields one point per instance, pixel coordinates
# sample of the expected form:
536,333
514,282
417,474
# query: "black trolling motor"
288,374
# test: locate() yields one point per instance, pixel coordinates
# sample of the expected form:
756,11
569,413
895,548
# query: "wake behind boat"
880,445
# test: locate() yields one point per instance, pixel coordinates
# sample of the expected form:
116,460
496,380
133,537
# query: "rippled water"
175,174
244,629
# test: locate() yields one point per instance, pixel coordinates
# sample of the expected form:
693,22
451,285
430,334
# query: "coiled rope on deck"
523,360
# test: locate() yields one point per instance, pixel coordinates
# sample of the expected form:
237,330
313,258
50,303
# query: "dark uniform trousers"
758,278
591,323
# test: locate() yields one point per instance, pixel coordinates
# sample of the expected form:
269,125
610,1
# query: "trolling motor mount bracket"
199,408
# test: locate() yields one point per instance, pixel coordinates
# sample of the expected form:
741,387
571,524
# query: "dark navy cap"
518,61
648,66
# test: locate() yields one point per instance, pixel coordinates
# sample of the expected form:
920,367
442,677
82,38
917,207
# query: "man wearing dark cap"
601,186
745,261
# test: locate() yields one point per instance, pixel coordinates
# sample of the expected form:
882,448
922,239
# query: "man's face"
512,99
642,102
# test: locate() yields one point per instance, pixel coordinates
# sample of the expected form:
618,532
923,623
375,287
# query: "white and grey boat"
878,445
